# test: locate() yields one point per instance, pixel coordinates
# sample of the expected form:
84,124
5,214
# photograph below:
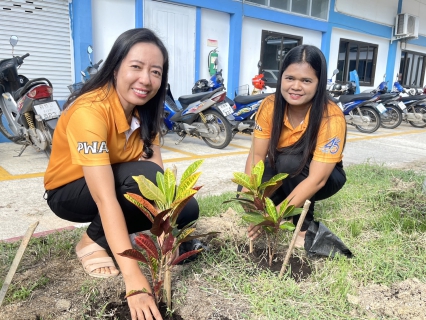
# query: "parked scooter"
203,115
91,70
27,105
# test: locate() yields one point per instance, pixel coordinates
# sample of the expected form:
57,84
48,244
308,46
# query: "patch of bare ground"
405,300
68,293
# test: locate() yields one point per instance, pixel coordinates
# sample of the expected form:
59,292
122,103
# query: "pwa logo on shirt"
257,127
94,147
332,146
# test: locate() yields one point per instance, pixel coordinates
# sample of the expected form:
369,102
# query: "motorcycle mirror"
89,51
259,64
336,71
13,41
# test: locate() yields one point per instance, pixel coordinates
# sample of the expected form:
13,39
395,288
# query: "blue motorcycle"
244,107
202,115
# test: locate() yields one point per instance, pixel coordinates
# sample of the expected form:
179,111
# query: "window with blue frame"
412,69
312,8
359,56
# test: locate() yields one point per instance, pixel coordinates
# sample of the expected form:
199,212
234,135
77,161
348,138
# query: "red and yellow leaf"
135,292
132,197
186,255
146,243
168,244
134,254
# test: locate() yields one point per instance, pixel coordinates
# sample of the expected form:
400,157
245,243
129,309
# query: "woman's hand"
142,306
254,231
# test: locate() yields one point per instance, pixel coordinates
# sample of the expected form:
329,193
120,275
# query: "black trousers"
73,202
289,164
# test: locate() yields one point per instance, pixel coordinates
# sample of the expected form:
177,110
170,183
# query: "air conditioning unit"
406,25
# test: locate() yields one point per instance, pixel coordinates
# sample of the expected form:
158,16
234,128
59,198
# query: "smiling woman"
108,133
301,133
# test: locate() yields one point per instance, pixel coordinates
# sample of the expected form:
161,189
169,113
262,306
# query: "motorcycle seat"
418,97
354,97
250,99
190,98
387,96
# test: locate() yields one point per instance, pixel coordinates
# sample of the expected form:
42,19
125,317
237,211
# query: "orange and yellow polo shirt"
331,136
93,131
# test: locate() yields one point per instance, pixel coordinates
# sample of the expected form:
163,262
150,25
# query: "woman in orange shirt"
299,131
107,133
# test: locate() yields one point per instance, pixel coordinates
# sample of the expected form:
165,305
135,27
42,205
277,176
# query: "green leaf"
253,217
169,186
182,196
287,226
258,170
243,179
188,183
160,182
271,209
191,169
149,190
278,177
292,212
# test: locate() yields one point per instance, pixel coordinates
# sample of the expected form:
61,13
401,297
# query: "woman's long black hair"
150,114
306,144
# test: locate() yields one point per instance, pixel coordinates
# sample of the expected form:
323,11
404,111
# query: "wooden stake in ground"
295,234
17,260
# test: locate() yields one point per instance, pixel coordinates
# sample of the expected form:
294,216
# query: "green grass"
380,215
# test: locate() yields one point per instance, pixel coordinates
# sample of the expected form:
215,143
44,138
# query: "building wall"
110,18
215,25
379,11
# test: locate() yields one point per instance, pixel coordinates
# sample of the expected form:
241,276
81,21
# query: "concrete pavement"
21,178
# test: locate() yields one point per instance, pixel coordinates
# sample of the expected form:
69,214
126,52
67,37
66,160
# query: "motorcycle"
27,105
87,73
202,115
244,112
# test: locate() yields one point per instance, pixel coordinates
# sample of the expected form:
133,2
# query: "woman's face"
299,84
139,76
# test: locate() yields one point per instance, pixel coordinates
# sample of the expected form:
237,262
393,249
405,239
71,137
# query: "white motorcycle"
27,105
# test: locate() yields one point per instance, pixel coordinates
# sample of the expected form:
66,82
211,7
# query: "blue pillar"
325,43
197,43
235,36
138,14
81,26
393,48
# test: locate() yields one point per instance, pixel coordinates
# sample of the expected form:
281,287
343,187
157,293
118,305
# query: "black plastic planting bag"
320,241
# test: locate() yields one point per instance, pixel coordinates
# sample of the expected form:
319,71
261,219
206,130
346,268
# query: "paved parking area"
21,178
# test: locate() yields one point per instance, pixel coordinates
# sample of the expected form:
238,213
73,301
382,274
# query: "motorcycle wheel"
394,118
374,123
6,133
221,124
419,124
48,151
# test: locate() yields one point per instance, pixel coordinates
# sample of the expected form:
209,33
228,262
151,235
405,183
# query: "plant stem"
295,234
168,288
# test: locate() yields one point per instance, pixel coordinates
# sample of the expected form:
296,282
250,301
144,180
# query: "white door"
43,29
175,25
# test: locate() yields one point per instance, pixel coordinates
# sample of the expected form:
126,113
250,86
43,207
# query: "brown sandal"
91,265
